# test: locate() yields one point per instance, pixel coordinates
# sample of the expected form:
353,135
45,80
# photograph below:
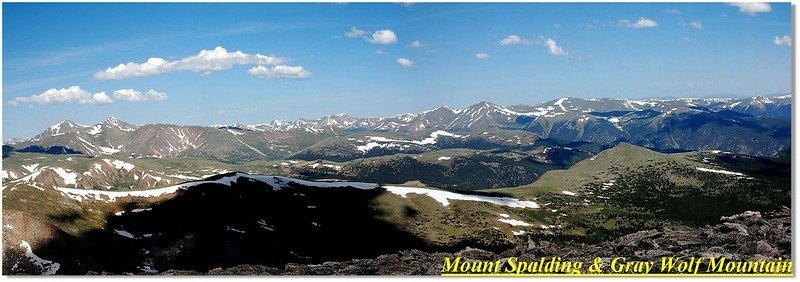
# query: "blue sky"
311,60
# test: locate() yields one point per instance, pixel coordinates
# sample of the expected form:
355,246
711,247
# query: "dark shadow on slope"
52,150
68,217
213,225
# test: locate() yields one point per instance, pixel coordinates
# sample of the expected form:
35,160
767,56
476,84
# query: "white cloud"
380,52
641,23
782,41
73,94
205,62
416,44
280,71
481,56
153,66
511,39
693,24
405,62
354,32
384,36
553,48
136,96
269,60
752,8
153,95
672,11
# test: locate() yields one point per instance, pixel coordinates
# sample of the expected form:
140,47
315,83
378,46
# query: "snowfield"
444,197
377,140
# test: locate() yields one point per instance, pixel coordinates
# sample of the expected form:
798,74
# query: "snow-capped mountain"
756,125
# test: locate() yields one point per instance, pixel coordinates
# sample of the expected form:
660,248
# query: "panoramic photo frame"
395,139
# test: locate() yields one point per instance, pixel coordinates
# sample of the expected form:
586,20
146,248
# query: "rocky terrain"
746,236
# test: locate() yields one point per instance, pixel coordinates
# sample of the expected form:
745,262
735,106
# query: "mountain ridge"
675,124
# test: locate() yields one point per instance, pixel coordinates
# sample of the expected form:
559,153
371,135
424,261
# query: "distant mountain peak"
114,122
66,123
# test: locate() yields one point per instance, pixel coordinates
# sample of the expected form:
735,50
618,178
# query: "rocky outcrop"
745,236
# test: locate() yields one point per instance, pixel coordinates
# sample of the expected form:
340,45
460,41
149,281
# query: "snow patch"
560,103
720,171
69,177
94,130
120,164
48,267
514,222
368,147
444,197
108,150
30,168
124,233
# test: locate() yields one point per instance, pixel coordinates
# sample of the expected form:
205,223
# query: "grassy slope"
652,189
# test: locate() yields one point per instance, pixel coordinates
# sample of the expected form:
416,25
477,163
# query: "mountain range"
758,126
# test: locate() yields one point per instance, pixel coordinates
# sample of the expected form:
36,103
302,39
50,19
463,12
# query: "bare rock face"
746,236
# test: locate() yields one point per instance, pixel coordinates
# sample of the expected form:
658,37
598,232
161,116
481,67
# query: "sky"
212,63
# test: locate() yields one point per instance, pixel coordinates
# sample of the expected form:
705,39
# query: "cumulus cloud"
553,48
73,94
384,36
279,71
131,95
641,23
205,62
354,32
76,95
752,8
405,62
481,56
782,41
510,40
